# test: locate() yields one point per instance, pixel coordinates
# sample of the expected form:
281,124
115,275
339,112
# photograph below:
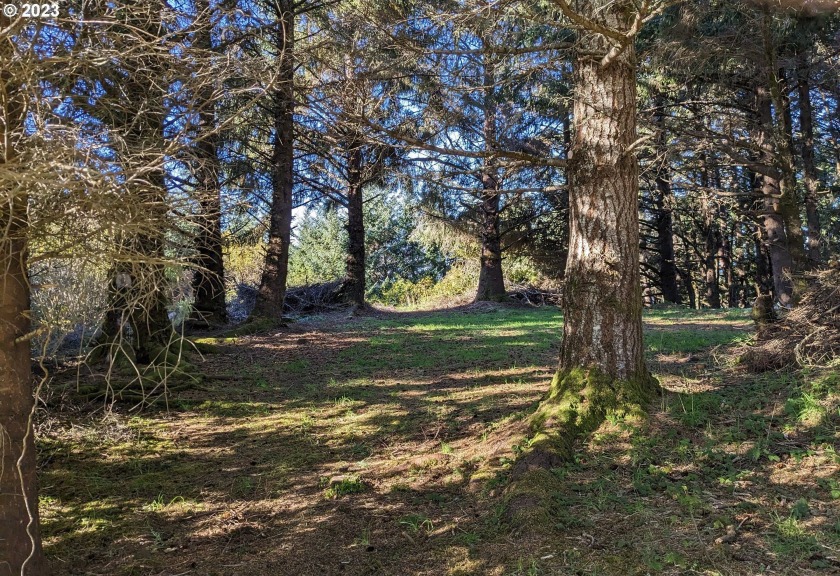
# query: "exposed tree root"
577,404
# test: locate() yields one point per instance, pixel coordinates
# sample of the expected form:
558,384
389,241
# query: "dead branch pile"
807,335
533,296
315,298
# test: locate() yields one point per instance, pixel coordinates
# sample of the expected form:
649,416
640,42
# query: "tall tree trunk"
711,240
775,233
663,219
777,131
711,273
603,304
354,281
725,256
664,223
809,166
20,542
209,278
272,291
491,282
602,362
149,314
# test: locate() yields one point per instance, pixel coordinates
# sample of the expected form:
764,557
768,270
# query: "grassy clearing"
381,446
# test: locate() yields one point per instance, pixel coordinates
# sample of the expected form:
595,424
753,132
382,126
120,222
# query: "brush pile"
533,296
315,298
807,335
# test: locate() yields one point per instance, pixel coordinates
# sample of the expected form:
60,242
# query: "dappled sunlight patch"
396,463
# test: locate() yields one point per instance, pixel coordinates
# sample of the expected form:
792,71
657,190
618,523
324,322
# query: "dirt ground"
380,445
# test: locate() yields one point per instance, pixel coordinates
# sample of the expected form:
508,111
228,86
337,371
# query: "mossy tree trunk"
272,290
20,543
602,363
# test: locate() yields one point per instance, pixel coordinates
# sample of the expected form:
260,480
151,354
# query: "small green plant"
159,503
343,401
791,539
806,408
800,509
832,485
344,486
243,486
417,522
156,505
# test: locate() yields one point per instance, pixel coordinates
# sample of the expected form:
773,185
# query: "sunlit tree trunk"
272,290
774,232
602,364
603,302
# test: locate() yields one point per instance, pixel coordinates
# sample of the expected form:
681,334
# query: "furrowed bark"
602,365
272,290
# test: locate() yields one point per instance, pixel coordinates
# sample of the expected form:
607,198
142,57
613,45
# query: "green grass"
379,441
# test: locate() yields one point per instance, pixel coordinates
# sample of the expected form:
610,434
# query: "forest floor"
381,444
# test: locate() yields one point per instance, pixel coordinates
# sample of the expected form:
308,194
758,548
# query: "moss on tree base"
577,403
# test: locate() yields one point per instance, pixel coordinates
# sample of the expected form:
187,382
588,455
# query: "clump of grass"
417,522
344,486
791,540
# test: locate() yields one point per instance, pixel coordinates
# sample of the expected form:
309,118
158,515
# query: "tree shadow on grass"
352,448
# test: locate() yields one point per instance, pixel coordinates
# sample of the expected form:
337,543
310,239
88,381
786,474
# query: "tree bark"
664,223
272,290
209,278
775,233
711,241
602,301
664,217
809,166
491,282
20,543
602,366
354,281
777,131
149,314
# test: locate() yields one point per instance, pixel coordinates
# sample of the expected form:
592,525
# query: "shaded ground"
380,445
